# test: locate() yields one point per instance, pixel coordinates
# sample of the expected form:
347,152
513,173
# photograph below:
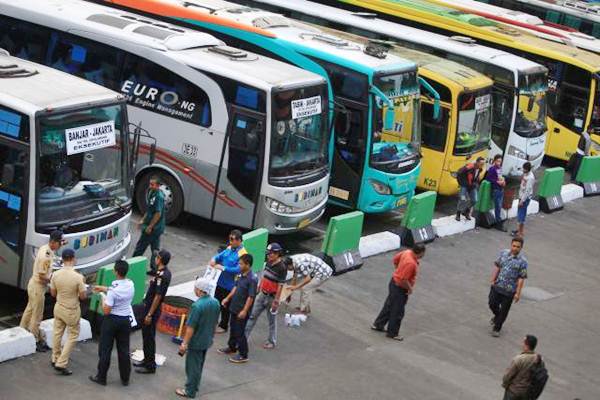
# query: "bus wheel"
170,188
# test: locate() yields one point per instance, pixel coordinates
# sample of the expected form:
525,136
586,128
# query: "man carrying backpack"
468,180
527,375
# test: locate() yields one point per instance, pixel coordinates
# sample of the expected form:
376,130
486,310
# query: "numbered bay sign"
424,234
591,188
346,261
551,203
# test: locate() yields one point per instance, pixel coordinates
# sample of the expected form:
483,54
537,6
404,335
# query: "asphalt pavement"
447,353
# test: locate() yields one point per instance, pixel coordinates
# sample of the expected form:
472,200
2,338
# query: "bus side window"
433,133
244,154
153,87
12,169
23,39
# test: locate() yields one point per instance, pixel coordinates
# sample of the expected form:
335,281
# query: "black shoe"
146,370
41,347
52,364
226,350
97,380
467,217
125,383
457,216
376,328
139,364
64,371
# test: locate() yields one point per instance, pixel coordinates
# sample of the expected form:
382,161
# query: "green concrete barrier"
484,208
589,175
340,245
416,223
549,195
137,273
255,243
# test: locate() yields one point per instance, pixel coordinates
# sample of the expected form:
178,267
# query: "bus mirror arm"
436,103
390,115
138,132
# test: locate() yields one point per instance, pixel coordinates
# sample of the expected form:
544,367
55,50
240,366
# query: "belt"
268,294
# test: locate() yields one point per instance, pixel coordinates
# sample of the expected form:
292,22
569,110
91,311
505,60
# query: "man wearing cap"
68,287
199,333
155,295
269,291
36,288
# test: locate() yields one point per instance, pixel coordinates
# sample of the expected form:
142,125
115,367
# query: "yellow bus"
573,79
462,131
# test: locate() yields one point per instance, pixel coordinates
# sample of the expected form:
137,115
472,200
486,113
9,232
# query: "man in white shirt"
312,273
525,196
116,326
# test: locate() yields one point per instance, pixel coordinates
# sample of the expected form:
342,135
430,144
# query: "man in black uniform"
155,295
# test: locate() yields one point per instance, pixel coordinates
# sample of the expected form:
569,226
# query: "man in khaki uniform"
68,287
36,288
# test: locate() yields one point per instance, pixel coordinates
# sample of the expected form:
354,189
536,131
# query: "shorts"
522,211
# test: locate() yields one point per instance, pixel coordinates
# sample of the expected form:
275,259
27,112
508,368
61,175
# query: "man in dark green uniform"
198,337
152,223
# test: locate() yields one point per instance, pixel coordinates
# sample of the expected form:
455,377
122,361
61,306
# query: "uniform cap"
68,254
203,284
274,248
56,236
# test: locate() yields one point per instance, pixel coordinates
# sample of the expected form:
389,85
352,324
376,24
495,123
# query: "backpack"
539,377
462,175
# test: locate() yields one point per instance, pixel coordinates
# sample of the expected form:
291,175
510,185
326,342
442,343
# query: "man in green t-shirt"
152,223
200,329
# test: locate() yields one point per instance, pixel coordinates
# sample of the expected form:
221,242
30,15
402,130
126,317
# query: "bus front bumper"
279,224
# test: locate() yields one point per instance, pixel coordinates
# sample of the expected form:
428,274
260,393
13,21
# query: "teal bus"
375,150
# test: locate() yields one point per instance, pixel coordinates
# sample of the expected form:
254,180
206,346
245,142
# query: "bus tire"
171,189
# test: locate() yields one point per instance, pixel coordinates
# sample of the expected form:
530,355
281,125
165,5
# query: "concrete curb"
378,243
16,342
47,329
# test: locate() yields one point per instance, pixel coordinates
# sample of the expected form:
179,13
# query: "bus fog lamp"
278,207
516,152
380,187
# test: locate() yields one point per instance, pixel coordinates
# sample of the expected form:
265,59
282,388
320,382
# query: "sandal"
182,393
268,346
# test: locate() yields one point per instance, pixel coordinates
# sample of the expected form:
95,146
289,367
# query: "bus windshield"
299,135
396,137
531,114
81,169
474,122
595,122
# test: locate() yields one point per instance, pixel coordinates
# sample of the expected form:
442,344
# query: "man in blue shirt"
228,262
116,325
198,338
494,176
507,282
152,223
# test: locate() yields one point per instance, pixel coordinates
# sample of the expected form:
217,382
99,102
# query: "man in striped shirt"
312,273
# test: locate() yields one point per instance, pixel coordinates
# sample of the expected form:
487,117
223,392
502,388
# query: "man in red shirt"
400,287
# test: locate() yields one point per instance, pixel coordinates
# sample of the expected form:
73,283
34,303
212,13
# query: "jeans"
522,212
237,335
466,199
263,302
194,363
114,328
498,196
220,294
500,304
149,339
145,240
393,310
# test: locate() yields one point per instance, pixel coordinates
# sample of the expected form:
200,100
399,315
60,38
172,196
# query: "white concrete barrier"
16,342
446,226
533,208
571,192
185,290
47,328
378,243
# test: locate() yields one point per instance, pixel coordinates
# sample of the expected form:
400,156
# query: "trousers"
306,293
466,199
263,302
194,363
392,312
498,196
64,319
114,329
237,335
149,340
145,240
500,304
34,311
220,294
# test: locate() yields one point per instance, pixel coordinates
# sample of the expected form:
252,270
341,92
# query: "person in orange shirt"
401,286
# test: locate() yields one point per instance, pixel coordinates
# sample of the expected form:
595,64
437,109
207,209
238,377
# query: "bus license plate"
401,202
304,223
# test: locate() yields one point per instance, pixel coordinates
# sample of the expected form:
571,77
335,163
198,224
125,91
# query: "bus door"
14,167
240,170
349,152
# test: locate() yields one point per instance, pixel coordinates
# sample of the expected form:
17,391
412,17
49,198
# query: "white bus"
212,109
63,164
519,91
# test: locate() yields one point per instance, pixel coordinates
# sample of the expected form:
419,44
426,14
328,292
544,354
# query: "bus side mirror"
8,174
390,118
342,119
530,103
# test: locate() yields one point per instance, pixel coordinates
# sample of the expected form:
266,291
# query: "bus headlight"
277,206
380,187
516,152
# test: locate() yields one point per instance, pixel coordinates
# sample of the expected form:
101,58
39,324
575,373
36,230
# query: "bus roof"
452,73
582,9
451,19
301,35
467,48
186,46
39,87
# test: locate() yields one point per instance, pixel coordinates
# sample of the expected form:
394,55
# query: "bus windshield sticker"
482,102
302,108
90,137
